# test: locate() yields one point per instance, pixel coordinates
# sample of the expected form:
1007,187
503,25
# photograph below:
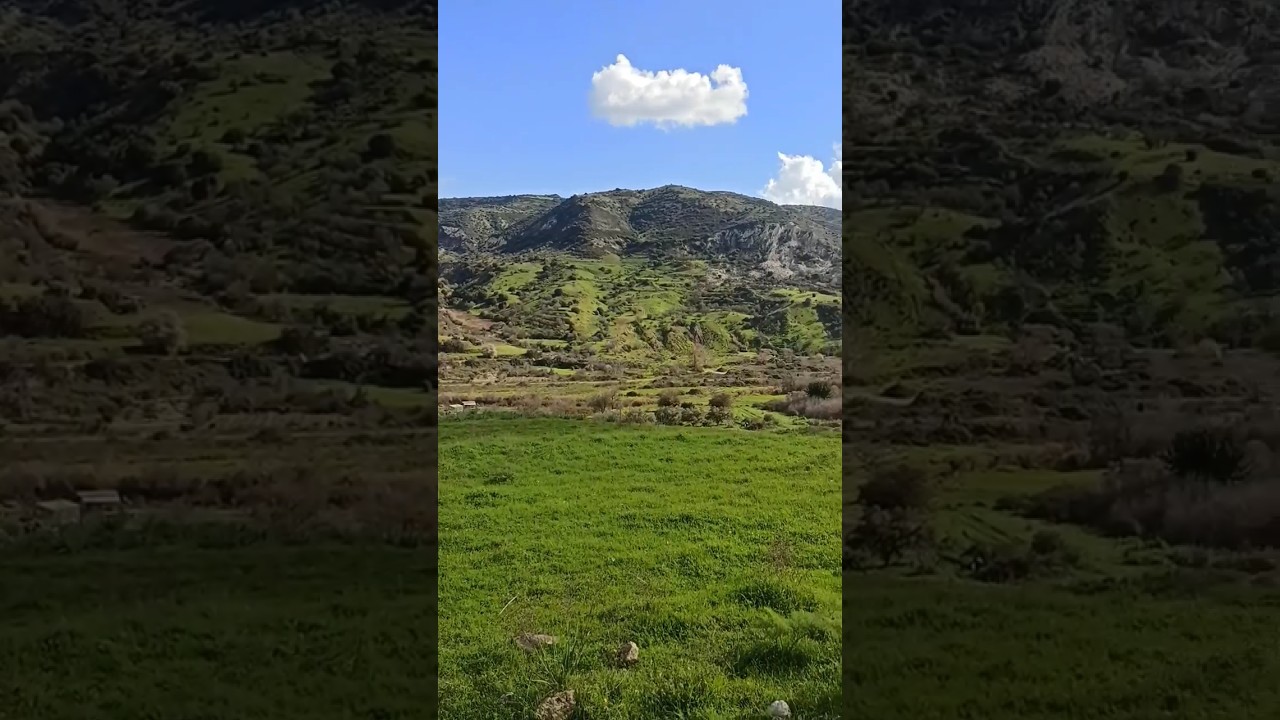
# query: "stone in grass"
628,654
557,707
530,642
779,709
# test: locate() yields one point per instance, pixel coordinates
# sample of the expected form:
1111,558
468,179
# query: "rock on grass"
557,707
530,642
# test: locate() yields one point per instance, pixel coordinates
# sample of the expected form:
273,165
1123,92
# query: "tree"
381,146
1210,454
889,534
48,315
897,488
668,398
163,334
1171,179
819,389
205,162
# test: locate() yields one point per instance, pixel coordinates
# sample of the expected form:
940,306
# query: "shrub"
1146,499
719,415
454,345
900,487
381,146
162,334
1170,179
204,162
721,400
819,389
48,315
634,416
801,404
1208,454
667,415
669,399
888,534
604,401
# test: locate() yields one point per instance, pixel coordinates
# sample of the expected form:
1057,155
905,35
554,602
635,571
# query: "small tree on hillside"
163,334
669,398
1208,454
819,389
895,515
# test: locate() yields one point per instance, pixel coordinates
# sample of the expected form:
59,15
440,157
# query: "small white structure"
99,500
468,404
61,512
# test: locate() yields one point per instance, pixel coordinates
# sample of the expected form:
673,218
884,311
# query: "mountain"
784,242
1063,161
638,272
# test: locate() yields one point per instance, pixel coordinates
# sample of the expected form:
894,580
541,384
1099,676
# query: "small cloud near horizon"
625,96
803,180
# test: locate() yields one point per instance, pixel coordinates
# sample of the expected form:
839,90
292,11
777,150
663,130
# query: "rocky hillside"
1064,161
747,235
642,273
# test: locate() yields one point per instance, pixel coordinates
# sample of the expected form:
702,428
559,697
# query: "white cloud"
626,96
802,180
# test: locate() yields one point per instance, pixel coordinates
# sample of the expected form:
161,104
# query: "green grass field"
221,633
677,539
1122,635
927,649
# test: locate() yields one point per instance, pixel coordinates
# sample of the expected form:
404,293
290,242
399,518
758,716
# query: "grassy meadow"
682,540
942,649
1067,569
1123,633
285,575
213,626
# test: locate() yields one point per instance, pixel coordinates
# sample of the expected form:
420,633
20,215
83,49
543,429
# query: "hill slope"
295,138
1064,161
205,200
648,271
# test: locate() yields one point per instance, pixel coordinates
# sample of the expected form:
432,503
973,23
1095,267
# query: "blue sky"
516,83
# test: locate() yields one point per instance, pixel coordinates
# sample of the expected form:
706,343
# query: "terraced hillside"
1060,244
210,198
295,140
645,273
1064,162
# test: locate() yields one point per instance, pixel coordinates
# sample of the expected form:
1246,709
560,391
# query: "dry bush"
719,415
811,385
607,400
800,404
1144,498
635,416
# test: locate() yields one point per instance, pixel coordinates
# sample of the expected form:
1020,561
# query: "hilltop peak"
748,235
